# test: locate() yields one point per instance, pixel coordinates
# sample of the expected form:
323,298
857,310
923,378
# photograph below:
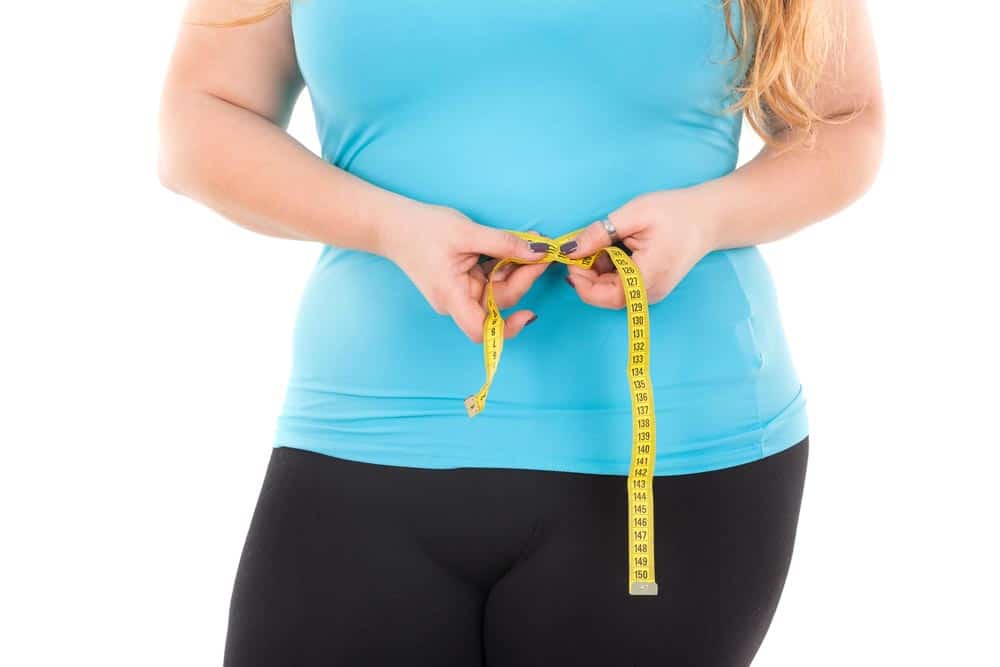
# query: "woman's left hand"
667,231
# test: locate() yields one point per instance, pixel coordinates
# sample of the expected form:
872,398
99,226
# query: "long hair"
782,44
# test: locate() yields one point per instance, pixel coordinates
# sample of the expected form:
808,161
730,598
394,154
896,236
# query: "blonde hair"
792,42
783,46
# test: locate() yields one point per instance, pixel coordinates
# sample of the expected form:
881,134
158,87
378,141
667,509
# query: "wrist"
394,216
706,203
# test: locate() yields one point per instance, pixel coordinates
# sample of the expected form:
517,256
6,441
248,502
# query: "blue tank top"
526,115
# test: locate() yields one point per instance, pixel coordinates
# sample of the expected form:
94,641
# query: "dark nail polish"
568,247
537,246
533,318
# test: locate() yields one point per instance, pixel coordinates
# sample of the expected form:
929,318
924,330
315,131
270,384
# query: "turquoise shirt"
527,115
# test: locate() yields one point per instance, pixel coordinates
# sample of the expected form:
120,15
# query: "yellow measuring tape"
641,568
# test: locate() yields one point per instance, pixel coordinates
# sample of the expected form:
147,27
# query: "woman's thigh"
333,573
723,546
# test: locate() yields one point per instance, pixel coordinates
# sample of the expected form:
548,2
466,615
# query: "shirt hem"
781,433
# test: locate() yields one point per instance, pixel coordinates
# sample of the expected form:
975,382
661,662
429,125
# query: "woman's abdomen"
379,376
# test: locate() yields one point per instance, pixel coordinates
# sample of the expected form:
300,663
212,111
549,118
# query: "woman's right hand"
439,250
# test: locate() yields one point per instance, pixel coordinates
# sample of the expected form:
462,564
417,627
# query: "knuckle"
438,302
511,244
596,230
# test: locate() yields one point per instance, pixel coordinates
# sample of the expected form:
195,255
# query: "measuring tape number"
641,563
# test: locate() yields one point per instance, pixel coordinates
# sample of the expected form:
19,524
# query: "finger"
469,315
594,236
658,284
510,290
498,243
575,270
516,322
508,293
589,275
504,272
604,291
507,269
478,277
488,265
603,264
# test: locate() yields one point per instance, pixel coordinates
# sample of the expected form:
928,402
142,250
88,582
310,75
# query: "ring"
609,227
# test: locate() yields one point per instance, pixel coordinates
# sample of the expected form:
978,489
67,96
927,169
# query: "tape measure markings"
639,488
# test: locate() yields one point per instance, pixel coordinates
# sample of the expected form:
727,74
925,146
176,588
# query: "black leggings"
349,563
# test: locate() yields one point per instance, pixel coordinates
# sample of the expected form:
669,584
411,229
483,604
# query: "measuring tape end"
472,406
643,588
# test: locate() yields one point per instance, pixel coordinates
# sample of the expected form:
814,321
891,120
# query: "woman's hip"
532,563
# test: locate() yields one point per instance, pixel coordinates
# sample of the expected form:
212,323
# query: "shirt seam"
753,333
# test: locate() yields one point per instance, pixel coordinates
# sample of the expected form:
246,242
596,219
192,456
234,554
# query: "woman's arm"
224,110
771,196
775,194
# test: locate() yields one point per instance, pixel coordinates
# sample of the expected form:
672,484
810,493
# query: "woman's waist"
548,408
724,284
363,329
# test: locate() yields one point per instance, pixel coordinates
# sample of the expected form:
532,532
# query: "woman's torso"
530,116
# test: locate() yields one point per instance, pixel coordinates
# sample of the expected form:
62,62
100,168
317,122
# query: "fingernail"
568,247
537,246
533,318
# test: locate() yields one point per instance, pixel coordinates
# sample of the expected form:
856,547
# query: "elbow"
173,138
874,154
170,162
166,173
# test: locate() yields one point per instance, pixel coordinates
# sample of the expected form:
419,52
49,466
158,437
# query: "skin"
771,196
224,112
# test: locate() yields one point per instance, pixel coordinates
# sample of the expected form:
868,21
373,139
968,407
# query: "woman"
393,528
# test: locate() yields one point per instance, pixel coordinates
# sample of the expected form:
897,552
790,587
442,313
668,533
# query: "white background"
145,346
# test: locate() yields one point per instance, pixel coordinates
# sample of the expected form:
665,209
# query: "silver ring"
609,227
